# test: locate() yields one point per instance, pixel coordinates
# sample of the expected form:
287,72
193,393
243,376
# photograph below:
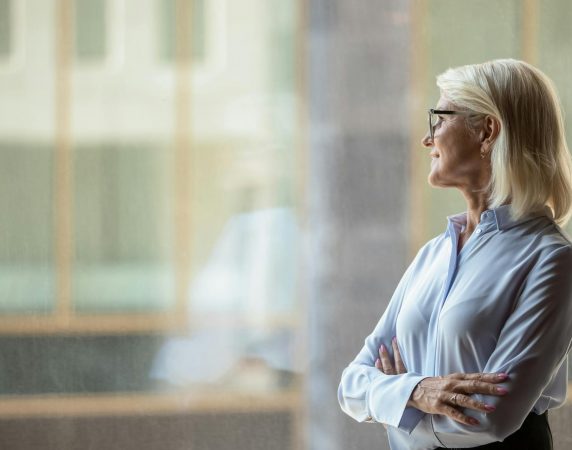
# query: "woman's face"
455,152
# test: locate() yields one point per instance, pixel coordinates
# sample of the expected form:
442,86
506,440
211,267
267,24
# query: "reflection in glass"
250,277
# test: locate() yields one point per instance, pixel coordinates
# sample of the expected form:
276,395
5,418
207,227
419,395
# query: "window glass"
91,29
533,31
122,228
26,250
27,144
5,28
553,42
497,35
150,241
195,16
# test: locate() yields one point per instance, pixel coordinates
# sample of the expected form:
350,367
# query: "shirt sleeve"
531,348
367,394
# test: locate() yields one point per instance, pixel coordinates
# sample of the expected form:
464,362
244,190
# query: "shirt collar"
500,217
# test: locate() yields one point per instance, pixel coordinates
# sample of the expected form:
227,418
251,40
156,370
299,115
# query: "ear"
489,132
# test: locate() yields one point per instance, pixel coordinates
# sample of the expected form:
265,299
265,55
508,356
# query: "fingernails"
377,361
473,421
490,408
501,390
394,339
502,376
382,348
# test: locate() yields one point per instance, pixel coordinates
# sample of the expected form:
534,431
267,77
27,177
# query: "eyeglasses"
433,120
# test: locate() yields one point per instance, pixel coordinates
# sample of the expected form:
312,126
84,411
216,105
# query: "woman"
471,351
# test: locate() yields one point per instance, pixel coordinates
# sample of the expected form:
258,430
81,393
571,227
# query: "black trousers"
534,434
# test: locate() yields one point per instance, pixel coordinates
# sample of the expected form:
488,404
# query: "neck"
477,203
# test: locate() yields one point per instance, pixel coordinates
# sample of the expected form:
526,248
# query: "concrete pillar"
358,195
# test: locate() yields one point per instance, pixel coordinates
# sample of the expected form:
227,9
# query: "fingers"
399,365
386,365
480,387
479,376
451,401
451,395
433,401
384,362
457,415
465,401
477,383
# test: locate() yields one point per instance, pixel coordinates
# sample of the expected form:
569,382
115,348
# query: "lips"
434,155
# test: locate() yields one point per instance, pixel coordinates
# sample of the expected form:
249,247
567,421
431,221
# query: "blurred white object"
252,268
205,357
250,273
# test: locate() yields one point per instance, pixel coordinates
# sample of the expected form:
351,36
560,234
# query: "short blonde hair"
530,162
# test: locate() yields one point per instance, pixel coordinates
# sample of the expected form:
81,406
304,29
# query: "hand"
445,395
449,394
384,363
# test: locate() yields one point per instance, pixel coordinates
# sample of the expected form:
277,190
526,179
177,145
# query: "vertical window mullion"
182,172
193,17
63,201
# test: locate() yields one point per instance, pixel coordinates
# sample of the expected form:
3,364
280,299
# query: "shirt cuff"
387,399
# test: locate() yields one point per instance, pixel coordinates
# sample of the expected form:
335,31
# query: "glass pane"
5,28
26,274
182,211
496,36
77,365
27,230
196,17
122,227
553,42
499,33
123,132
90,29
243,293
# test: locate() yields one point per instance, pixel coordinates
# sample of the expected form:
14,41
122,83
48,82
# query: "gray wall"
358,193
561,424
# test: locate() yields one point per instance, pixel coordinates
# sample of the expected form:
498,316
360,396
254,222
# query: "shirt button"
479,231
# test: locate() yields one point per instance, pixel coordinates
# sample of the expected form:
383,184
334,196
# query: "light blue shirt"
501,304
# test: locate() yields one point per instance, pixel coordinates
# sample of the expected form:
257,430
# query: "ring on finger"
454,399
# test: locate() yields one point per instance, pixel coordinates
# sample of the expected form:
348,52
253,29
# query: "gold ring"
454,399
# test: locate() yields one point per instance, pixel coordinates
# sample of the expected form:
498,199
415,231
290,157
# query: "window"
123,229
518,30
12,27
91,30
26,250
6,38
194,14
156,248
98,34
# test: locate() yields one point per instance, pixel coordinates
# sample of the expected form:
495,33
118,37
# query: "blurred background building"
206,205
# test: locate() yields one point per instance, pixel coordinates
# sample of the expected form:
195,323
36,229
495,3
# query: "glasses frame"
443,112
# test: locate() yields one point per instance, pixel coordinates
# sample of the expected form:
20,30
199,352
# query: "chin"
437,182
433,179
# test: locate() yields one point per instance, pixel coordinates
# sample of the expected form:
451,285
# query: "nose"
426,141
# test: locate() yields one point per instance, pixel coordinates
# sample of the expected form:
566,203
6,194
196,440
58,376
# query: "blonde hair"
530,162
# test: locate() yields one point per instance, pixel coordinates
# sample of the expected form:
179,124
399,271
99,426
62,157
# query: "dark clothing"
534,434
